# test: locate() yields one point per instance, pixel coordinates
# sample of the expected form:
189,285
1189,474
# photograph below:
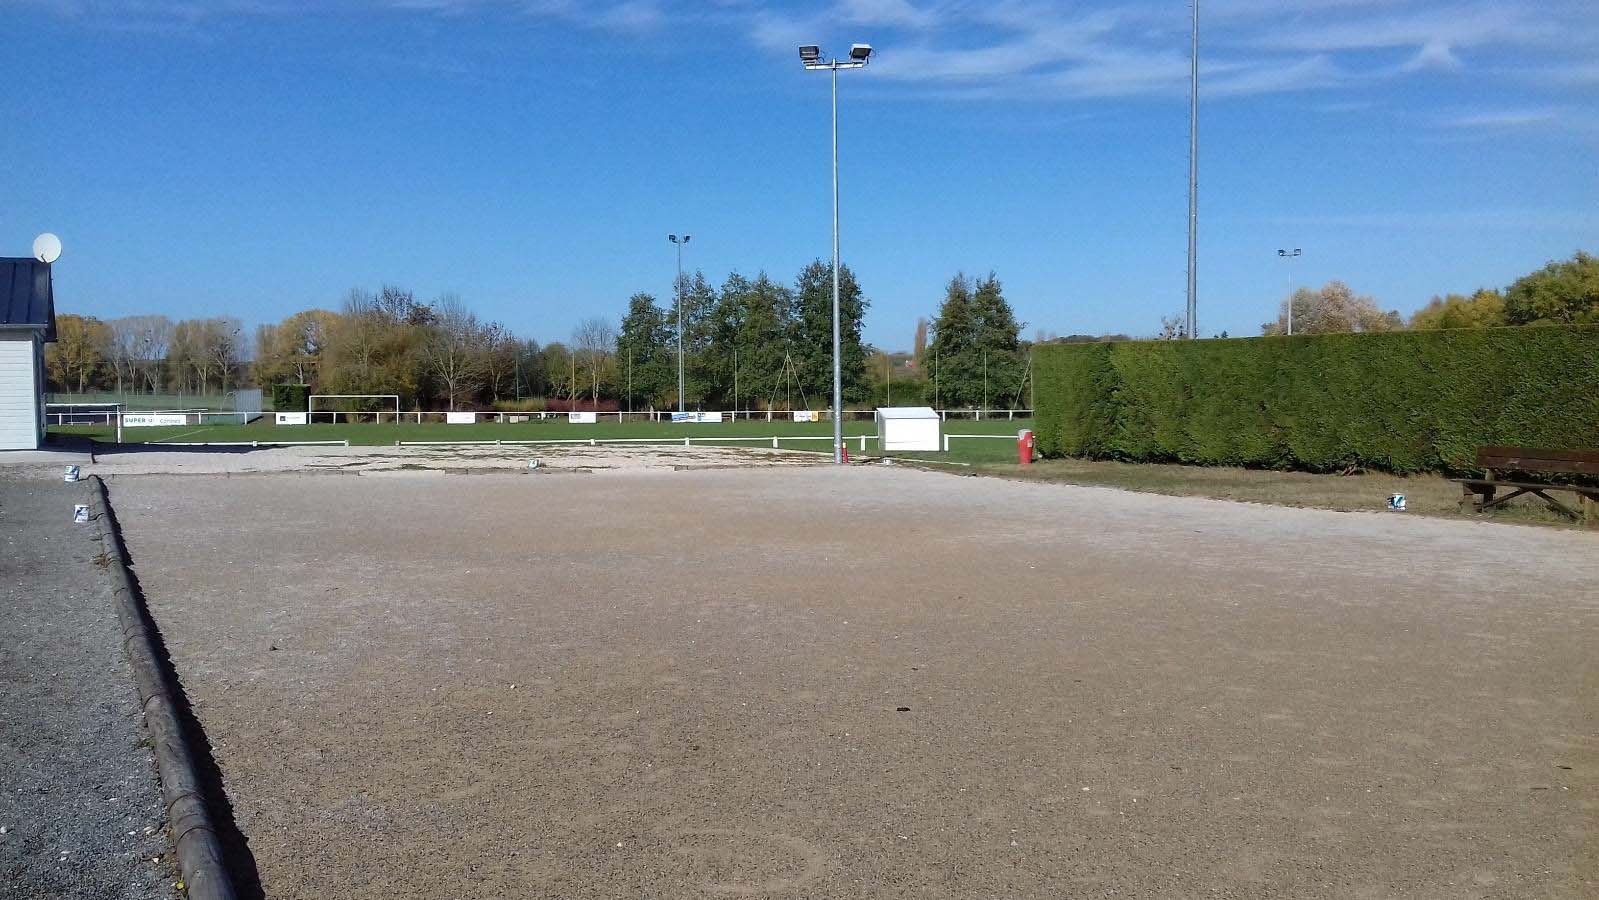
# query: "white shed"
907,428
27,323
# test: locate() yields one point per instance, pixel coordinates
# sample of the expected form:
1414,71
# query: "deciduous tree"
1333,308
82,346
452,347
1563,292
1484,309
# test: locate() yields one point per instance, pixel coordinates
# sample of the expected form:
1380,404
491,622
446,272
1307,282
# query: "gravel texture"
110,461
875,682
81,807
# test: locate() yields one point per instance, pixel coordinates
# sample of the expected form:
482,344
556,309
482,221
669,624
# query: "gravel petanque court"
876,682
80,805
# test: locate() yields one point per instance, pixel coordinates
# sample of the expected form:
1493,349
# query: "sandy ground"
80,803
807,682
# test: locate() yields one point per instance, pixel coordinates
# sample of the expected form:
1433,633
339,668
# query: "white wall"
908,434
20,379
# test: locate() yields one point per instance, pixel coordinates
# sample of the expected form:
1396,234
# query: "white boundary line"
684,441
240,444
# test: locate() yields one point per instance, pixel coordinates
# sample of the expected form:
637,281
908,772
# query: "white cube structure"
907,428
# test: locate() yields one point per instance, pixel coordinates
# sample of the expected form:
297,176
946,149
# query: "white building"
27,323
907,428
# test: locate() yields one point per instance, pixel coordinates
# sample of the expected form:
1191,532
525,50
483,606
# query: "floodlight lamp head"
810,53
673,239
860,52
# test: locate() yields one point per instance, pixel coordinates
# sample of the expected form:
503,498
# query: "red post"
1024,446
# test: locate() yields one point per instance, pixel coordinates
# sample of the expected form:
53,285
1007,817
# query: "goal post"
107,414
363,405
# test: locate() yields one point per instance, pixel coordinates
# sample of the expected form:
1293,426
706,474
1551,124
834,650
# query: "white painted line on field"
185,434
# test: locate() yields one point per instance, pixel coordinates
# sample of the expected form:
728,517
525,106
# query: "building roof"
907,412
26,296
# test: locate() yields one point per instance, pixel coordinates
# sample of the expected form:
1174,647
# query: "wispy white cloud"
1502,119
612,15
1049,49
1138,48
1433,56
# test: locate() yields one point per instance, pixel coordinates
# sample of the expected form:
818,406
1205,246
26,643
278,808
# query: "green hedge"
1404,401
291,397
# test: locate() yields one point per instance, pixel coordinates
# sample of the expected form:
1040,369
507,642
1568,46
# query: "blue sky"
256,157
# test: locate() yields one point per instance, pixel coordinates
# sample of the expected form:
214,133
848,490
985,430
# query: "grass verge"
1426,495
372,435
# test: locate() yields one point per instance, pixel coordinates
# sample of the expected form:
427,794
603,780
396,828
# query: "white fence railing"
166,417
459,417
991,437
774,440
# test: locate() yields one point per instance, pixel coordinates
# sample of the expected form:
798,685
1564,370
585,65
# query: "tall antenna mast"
1193,182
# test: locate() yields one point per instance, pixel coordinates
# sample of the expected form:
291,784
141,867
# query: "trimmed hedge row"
1403,401
291,397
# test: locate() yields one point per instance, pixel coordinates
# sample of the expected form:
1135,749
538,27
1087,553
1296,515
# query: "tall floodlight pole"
1193,182
812,58
1289,255
679,285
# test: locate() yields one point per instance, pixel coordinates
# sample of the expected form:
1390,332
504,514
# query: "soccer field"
757,432
872,682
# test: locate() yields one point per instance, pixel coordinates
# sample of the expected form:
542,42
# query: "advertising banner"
701,418
147,420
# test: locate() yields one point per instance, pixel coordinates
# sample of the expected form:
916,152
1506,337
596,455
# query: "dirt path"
818,683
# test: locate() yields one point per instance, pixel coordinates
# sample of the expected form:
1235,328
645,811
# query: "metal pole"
1290,296
680,406
1285,254
838,372
1193,183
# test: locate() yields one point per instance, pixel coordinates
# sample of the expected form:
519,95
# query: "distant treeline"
754,343
751,342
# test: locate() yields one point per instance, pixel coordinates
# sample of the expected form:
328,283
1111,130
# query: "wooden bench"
1499,461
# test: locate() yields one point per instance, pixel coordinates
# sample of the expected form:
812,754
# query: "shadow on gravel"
240,861
198,449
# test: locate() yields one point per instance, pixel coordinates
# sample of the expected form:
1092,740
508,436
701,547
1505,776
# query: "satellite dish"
47,248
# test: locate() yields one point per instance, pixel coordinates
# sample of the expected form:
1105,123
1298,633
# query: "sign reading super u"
150,420
697,417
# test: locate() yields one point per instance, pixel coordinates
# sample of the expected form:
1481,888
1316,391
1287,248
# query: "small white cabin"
27,323
907,428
